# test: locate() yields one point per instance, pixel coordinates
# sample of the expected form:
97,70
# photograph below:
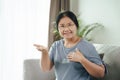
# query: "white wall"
105,12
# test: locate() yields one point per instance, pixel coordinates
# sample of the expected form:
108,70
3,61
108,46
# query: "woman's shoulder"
58,42
86,43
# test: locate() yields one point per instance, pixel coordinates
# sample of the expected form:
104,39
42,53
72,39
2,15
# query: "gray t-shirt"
66,70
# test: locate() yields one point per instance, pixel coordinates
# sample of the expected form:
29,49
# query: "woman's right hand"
40,48
45,61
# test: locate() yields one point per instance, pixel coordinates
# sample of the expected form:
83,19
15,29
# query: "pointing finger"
36,45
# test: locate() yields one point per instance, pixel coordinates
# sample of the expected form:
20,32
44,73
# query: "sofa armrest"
32,71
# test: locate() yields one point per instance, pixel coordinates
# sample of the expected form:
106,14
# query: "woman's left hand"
76,56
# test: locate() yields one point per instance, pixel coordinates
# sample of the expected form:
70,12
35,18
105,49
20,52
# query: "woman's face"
67,28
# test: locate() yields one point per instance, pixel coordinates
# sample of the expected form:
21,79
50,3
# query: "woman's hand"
76,56
40,48
45,62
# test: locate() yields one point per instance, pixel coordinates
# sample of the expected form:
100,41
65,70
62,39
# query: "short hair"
69,14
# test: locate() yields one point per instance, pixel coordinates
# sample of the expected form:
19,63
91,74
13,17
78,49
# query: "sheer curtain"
22,23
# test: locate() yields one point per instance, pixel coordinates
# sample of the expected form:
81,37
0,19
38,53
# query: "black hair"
69,14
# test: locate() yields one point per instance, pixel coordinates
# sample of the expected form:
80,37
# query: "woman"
73,57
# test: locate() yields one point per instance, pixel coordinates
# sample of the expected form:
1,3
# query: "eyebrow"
67,23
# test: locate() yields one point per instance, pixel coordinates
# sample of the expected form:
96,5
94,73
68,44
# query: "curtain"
55,7
22,24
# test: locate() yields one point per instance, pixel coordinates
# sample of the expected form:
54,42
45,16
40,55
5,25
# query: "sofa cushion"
111,59
32,71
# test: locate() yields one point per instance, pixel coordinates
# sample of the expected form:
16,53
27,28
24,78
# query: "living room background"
25,22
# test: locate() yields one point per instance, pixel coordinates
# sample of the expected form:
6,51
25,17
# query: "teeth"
67,32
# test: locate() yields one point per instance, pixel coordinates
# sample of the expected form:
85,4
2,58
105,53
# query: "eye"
70,24
61,26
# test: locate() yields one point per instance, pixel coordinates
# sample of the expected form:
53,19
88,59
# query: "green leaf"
92,28
82,31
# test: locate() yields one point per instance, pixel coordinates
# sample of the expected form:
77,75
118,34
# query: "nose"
66,28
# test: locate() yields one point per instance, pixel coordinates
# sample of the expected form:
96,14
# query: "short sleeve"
52,52
94,56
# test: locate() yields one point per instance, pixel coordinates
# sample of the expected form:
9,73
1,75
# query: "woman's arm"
92,68
45,62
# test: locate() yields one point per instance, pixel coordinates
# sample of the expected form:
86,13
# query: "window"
22,23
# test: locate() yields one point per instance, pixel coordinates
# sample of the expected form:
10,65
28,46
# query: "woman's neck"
71,42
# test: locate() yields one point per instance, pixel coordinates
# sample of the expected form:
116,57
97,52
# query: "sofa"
110,55
111,58
32,71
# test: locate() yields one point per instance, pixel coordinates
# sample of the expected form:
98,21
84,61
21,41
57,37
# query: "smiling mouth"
67,33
